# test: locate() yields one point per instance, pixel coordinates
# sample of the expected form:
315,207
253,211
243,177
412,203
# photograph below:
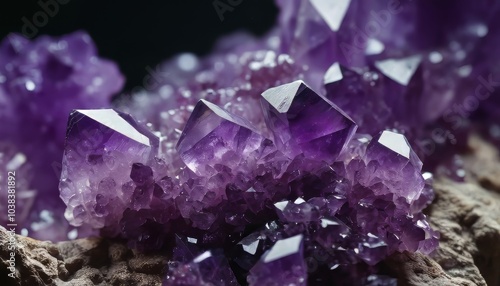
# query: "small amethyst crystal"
393,152
213,135
283,264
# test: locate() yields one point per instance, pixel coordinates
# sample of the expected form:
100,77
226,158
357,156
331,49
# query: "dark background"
137,34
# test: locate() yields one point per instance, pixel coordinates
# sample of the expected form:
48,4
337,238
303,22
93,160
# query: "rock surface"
468,217
466,214
82,262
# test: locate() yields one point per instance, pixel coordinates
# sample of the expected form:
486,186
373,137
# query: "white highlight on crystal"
333,74
281,97
16,162
374,47
396,142
251,248
332,11
283,248
30,85
187,62
113,120
73,234
400,70
202,257
435,57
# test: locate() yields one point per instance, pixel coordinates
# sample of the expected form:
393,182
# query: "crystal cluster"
293,159
41,81
313,187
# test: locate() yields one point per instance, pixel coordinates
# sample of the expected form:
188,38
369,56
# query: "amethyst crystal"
304,122
208,268
237,176
213,135
248,159
393,152
113,147
283,264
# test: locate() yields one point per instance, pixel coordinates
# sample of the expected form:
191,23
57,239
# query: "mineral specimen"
248,160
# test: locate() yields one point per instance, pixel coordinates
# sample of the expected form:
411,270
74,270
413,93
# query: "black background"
137,34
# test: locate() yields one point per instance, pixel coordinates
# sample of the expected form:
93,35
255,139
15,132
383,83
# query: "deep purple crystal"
304,122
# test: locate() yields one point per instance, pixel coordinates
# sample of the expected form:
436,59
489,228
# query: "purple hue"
107,144
247,160
212,135
282,264
304,122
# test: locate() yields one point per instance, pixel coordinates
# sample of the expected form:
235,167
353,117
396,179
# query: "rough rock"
468,217
82,262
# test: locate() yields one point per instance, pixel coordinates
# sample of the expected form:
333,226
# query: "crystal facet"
304,122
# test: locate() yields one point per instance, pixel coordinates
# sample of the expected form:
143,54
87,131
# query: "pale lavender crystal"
214,136
283,264
304,122
107,144
393,153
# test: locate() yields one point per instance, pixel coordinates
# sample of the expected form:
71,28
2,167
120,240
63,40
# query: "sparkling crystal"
282,264
212,136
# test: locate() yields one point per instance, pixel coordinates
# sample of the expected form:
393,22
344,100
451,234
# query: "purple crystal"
393,153
304,122
347,88
214,136
209,268
283,264
107,144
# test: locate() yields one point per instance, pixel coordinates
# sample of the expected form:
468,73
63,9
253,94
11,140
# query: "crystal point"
302,121
283,264
213,135
107,144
